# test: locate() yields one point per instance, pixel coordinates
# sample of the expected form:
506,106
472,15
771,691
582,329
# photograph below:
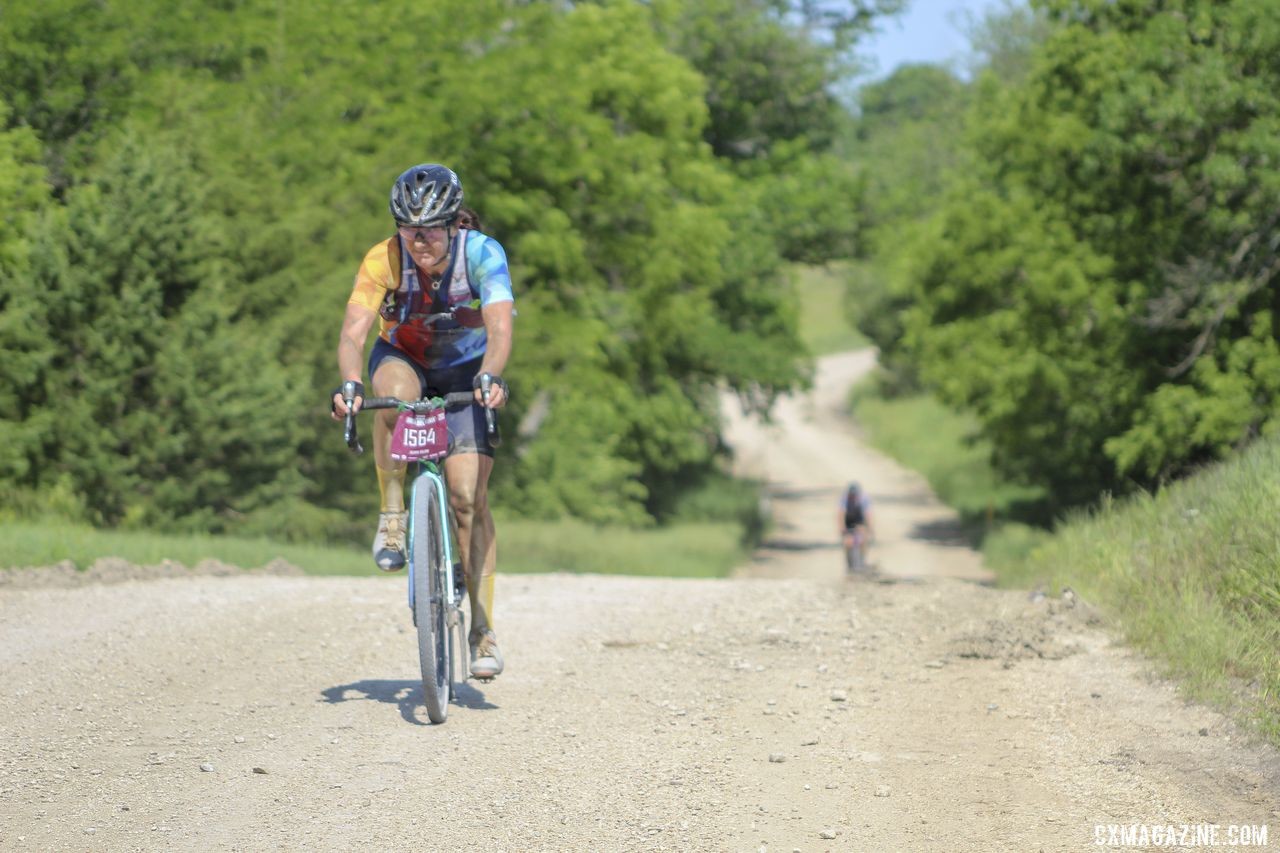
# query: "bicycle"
437,584
855,550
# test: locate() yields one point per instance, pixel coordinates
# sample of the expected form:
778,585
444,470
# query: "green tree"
67,69
144,391
773,71
906,144
628,260
22,185
1140,149
647,269
771,66
1004,39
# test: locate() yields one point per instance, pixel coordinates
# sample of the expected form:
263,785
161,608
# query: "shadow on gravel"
781,545
780,493
405,695
473,698
941,533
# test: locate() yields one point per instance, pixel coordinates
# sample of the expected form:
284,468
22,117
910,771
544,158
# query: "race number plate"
418,437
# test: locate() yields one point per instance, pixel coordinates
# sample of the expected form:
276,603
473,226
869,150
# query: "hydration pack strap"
456,275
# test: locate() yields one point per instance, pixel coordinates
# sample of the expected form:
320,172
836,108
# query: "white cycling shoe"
486,659
389,542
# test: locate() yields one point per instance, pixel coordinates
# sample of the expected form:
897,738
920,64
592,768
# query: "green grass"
1190,575
824,323
42,543
696,550
690,550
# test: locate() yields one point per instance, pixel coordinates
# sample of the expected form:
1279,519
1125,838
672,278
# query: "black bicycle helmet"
428,195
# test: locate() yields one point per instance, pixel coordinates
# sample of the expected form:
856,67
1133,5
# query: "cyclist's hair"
469,219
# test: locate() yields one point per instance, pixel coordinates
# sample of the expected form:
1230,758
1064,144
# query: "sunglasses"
434,226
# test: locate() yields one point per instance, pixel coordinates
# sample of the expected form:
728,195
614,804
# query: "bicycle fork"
454,578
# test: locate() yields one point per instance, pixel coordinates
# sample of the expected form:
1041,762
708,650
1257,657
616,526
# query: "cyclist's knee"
468,501
393,378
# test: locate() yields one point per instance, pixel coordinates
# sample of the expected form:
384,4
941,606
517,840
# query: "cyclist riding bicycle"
442,294
855,519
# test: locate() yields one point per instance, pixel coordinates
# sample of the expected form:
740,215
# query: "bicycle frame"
435,476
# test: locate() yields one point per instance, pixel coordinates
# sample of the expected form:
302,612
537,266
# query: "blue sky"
928,31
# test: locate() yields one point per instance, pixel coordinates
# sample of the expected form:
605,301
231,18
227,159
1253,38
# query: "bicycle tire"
428,554
853,560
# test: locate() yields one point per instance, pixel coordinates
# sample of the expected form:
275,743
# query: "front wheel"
853,556
427,564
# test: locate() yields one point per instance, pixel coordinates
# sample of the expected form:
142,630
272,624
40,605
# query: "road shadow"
406,695
782,493
794,545
942,532
471,697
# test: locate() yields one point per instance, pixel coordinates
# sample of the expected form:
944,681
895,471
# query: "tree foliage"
773,70
1101,285
142,391
906,141
192,189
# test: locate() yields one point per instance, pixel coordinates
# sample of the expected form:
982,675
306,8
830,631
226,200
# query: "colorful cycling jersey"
857,514
437,325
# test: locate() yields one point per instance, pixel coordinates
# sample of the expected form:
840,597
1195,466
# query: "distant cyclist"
442,293
855,522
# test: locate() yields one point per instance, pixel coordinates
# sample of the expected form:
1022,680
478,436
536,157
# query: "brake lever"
490,419
349,433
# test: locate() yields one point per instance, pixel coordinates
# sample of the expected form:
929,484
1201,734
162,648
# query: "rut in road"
784,708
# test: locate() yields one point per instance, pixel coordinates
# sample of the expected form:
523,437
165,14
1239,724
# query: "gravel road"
782,709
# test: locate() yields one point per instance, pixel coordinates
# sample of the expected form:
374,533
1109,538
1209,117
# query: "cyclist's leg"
391,376
468,474
467,469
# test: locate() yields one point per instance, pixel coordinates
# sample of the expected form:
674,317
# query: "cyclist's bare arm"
355,331
497,327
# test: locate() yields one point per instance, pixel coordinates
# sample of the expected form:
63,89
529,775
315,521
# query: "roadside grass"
709,549
824,322
693,550
45,542
1190,575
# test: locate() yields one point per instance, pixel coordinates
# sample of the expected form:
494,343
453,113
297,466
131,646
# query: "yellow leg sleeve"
391,487
481,603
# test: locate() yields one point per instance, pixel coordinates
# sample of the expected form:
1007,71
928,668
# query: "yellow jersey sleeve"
378,273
